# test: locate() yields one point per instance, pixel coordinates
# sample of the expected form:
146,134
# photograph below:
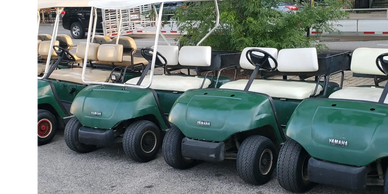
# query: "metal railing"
369,9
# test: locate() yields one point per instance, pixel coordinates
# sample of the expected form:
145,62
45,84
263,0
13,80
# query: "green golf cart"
134,112
59,74
341,140
244,119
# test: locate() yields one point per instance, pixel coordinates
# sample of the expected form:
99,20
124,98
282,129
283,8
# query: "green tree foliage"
254,23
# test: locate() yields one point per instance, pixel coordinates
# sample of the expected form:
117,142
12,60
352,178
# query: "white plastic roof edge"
103,4
63,3
126,4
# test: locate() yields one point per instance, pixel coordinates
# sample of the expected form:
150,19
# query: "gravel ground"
109,170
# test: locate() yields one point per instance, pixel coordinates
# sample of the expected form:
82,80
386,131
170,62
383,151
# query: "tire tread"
132,134
287,167
247,167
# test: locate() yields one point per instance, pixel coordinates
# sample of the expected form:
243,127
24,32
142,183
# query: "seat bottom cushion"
298,90
371,94
172,82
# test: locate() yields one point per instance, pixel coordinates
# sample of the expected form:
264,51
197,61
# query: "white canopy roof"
105,4
62,3
126,4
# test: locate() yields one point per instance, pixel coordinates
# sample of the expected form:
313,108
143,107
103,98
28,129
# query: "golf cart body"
218,124
135,112
59,77
345,136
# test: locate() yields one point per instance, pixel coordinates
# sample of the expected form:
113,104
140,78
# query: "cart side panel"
46,97
341,131
105,107
215,114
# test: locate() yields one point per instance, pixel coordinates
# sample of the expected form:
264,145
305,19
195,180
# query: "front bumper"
92,136
202,150
337,174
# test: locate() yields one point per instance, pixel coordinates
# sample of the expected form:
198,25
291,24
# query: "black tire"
71,137
256,160
77,31
142,141
292,164
386,182
47,126
172,152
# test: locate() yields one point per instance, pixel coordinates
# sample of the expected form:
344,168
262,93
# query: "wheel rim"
76,30
44,128
148,142
265,161
305,175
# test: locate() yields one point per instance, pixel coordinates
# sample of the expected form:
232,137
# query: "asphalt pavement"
109,170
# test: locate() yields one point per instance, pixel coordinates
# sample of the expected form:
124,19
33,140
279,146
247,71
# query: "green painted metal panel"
341,131
167,99
216,114
284,109
46,96
221,81
106,106
67,91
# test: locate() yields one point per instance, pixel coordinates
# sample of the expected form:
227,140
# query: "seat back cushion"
36,46
298,60
364,60
245,64
110,53
102,39
171,53
126,41
44,48
64,40
44,37
92,53
199,56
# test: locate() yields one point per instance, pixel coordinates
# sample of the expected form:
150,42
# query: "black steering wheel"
261,61
147,53
63,53
382,63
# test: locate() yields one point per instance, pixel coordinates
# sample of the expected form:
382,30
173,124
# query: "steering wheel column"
261,60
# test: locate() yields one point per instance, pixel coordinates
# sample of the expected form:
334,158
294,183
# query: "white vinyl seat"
43,52
179,83
44,37
289,60
187,56
65,41
36,48
277,88
363,62
75,75
96,75
370,93
127,43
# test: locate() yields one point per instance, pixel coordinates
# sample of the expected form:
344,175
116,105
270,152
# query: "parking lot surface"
109,170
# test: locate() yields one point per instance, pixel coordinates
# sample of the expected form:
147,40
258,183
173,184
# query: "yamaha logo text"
94,113
203,123
338,142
